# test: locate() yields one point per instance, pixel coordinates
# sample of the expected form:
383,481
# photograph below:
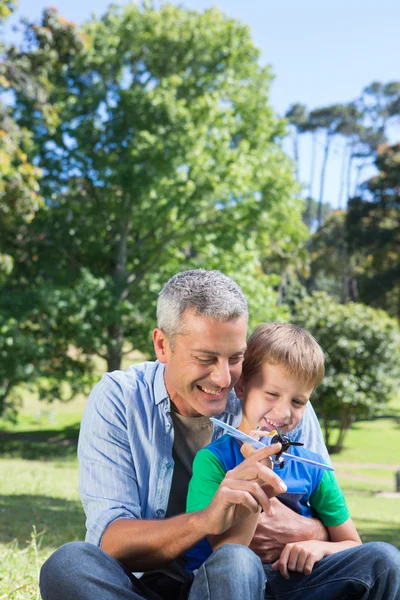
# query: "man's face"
204,364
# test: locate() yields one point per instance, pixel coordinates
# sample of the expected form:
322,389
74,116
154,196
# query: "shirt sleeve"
328,501
208,473
107,476
309,432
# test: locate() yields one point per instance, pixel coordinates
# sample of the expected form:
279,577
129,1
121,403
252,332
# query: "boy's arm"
208,474
242,533
329,503
301,556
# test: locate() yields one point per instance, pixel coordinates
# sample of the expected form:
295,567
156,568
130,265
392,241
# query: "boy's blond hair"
288,346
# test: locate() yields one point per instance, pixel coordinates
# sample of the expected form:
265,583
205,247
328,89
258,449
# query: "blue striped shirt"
125,446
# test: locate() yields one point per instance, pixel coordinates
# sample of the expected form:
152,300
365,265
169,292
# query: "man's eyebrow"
213,353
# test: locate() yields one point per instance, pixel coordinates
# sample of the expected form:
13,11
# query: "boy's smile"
272,398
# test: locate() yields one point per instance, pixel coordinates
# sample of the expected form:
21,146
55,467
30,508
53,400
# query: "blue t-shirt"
310,491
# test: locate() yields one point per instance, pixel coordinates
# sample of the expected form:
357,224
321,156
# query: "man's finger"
261,453
242,496
250,487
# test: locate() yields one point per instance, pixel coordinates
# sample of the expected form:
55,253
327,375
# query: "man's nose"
221,375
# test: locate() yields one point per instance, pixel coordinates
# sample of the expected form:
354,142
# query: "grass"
39,502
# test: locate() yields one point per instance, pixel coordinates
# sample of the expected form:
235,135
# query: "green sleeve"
207,475
328,501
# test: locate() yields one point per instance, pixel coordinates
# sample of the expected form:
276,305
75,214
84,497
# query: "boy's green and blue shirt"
310,491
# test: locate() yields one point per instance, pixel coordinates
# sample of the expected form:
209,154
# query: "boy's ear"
239,388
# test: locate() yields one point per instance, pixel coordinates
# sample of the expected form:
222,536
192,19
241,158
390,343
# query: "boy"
283,365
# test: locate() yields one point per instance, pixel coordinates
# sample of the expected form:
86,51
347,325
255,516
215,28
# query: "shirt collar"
160,391
161,394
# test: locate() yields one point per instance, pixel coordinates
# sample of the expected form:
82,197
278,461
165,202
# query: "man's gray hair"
207,293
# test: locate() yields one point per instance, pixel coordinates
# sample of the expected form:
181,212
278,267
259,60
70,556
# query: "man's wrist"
200,523
318,531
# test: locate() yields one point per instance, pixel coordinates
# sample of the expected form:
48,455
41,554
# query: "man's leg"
82,571
367,572
232,571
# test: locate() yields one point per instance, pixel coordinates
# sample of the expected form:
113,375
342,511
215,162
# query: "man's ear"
239,388
161,346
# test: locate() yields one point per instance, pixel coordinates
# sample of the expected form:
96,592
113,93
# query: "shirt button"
160,512
167,465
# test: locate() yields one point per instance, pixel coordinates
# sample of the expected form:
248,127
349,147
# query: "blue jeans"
81,571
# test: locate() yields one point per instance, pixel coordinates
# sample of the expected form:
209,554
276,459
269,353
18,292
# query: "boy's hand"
300,557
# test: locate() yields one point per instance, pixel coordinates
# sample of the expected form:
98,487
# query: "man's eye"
205,361
235,359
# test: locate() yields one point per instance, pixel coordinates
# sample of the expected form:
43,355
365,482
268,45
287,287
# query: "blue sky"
321,52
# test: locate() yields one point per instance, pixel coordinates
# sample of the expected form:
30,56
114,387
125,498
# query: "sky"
321,52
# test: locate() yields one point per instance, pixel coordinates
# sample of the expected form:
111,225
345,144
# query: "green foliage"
362,347
159,153
19,178
32,350
373,234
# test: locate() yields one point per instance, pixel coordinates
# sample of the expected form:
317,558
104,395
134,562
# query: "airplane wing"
243,437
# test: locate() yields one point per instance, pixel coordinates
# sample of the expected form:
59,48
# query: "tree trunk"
344,427
349,168
313,161
296,151
322,181
114,351
342,176
116,330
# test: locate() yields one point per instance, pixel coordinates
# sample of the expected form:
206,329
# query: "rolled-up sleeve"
107,475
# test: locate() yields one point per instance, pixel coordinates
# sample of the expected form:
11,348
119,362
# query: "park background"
156,137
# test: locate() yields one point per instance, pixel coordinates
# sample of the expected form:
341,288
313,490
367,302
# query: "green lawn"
40,507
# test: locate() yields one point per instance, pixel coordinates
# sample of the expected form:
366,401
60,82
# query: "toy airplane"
278,437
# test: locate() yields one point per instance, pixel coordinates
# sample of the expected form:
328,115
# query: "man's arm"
142,545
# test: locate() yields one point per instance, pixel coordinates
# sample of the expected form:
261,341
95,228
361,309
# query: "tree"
333,120
373,233
297,118
362,349
19,178
333,268
161,156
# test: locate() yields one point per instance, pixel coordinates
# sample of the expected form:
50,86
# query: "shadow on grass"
60,520
386,532
50,444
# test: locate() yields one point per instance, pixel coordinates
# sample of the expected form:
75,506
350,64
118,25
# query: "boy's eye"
272,394
298,402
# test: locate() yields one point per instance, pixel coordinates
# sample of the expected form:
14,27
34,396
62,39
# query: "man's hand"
300,557
286,526
245,490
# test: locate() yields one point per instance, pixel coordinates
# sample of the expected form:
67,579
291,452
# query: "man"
139,434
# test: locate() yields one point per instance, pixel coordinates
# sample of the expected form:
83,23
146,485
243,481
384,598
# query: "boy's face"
271,399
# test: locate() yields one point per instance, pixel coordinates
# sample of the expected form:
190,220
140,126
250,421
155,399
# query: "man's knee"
68,559
238,557
383,554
